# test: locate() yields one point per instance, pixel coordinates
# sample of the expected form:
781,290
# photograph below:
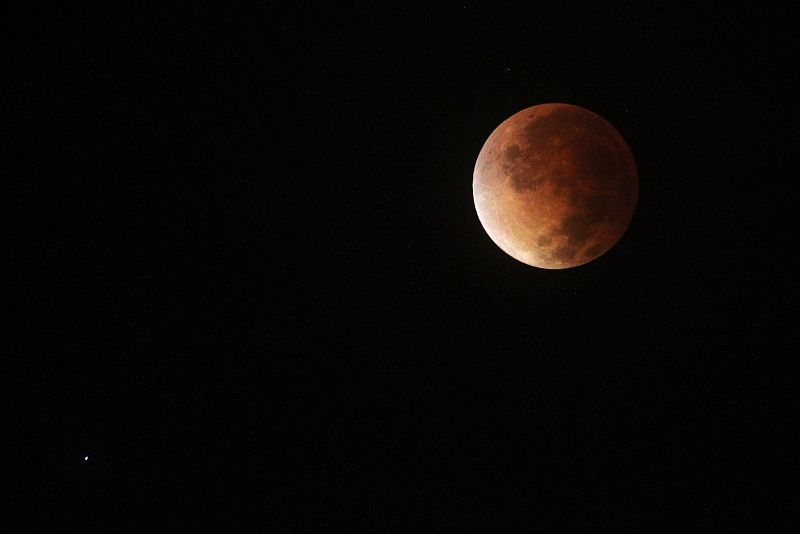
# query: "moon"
555,186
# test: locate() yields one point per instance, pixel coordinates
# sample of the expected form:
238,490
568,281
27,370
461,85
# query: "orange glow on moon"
555,186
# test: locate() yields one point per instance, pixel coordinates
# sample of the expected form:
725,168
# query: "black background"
253,288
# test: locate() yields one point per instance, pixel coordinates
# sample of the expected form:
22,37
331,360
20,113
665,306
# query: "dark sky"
254,290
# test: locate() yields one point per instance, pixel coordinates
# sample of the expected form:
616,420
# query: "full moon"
555,186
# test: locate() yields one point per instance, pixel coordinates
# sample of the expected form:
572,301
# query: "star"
85,458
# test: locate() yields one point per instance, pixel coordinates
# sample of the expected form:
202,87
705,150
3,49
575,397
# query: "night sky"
253,290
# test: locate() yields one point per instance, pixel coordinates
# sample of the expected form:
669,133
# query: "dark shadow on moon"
549,126
565,253
577,228
512,152
594,251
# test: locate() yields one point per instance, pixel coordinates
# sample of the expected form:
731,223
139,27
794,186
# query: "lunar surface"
555,186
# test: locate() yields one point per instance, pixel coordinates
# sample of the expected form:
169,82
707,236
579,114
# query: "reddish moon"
555,186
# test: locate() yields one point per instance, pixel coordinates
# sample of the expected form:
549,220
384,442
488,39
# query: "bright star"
85,458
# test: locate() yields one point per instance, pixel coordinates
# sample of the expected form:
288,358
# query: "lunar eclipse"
555,186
